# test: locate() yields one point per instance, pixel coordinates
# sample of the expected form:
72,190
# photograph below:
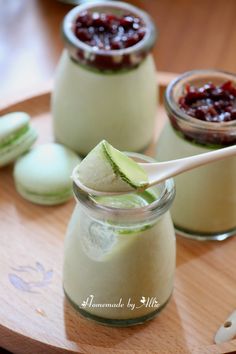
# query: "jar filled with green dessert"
201,106
119,259
105,85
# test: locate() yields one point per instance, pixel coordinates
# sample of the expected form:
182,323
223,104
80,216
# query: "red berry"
83,34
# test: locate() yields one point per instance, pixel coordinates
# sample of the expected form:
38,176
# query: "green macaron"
16,136
43,175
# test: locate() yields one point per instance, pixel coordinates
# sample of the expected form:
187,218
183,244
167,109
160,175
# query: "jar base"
204,236
117,322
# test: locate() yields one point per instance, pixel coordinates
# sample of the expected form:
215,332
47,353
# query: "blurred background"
192,34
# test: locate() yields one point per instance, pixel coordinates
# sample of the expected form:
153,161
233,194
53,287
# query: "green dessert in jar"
105,83
202,117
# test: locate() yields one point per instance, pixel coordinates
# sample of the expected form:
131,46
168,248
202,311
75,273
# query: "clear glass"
205,204
119,258
105,94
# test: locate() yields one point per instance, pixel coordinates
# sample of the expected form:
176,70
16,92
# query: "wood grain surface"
35,318
193,34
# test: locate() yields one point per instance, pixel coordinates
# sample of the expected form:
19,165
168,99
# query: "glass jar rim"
148,212
147,41
173,108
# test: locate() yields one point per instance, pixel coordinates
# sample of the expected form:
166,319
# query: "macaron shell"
46,171
11,152
11,123
47,199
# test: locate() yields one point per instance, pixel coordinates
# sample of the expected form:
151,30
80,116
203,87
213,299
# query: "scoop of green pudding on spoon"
108,171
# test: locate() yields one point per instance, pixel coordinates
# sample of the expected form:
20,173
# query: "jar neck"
108,60
211,134
162,194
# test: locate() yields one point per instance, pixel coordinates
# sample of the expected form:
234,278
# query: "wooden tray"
35,318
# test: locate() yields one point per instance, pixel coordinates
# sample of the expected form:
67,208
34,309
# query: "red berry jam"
107,31
108,37
210,103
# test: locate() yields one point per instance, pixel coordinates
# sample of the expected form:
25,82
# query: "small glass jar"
105,94
205,204
119,257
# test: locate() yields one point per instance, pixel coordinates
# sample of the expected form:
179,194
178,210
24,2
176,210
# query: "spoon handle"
160,171
228,330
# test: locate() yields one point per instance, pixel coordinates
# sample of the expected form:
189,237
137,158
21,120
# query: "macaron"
43,175
16,136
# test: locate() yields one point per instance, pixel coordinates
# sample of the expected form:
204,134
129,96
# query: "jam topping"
210,103
108,31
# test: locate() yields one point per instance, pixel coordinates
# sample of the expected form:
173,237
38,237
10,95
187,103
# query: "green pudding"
106,169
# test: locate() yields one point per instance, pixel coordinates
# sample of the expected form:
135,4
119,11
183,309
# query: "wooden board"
35,318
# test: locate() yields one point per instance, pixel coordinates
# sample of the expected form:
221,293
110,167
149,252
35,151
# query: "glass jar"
105,94
119,257
205,204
